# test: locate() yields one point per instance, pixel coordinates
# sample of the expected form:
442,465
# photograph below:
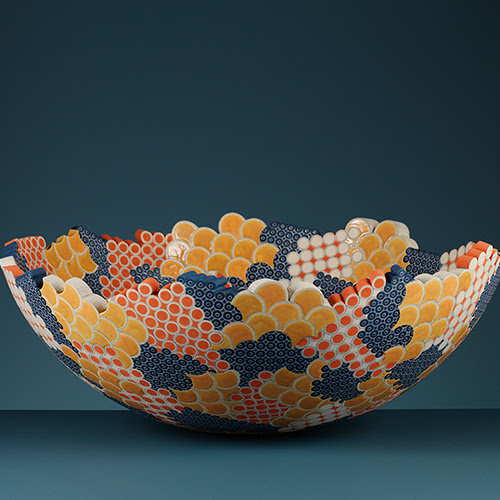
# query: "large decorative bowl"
254,327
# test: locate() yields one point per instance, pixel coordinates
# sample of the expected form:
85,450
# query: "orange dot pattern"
173,321
32,249
126,255
338,342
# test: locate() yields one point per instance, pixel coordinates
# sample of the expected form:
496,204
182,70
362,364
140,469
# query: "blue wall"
126,115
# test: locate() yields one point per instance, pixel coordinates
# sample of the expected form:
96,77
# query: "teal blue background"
126,115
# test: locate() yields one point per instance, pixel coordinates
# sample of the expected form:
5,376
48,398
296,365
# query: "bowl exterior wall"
264,351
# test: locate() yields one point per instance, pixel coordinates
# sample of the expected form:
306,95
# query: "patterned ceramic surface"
253,327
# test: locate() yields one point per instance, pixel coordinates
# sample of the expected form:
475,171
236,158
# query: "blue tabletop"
117,454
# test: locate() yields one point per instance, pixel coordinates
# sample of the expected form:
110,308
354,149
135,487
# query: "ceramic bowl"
254,327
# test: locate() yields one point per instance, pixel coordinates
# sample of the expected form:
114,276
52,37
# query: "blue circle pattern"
236,283
407,372
37,275
421,261
329,285
339,384
166,370
72,365
256,271
260,270
270,352
98,250
213,297
12,250
485,298
211,423
285,237
382,314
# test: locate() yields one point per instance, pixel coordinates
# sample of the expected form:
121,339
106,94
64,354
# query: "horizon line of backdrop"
120,116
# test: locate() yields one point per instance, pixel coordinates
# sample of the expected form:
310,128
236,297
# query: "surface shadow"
390,431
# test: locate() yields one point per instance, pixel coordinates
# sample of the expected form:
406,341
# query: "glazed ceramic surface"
252,327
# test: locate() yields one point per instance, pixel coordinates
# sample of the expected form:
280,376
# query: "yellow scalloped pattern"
229,252
69,256
268,309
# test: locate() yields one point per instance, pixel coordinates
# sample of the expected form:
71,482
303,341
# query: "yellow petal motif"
237,332
308,299
297,330
248,303
285,312
262,323
271,292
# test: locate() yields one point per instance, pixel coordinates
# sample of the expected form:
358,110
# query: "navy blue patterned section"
339,384
212,297
39,307
407,372
99,253
261,270
270,353
165,370
257,271
237,283
72,365
382,314
485,298
12,250
211,423
329,285
420,261
285,237
37,275
143,272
